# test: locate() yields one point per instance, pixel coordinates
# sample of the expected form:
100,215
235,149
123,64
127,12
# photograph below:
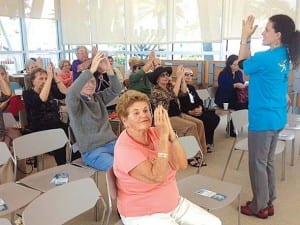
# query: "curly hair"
128,99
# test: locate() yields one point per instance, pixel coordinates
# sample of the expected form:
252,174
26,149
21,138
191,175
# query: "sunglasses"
164,74
188,74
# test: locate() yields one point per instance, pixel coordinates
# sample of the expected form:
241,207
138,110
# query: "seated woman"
7,134
229,80
146,161
192,105
166,94
41,104
89,117
65,75
13,103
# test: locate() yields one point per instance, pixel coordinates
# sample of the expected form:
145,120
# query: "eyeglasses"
188,74
164,74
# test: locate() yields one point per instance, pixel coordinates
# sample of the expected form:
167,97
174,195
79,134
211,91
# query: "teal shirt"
268,84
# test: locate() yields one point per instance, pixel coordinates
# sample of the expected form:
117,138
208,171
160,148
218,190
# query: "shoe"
209,149
199,160
193,162
262,214
270,208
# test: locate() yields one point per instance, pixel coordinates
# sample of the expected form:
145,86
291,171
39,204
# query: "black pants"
210,121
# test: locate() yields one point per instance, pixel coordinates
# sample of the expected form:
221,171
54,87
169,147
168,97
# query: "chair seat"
286,135
41,180
243,146
4,221
190,185
16,196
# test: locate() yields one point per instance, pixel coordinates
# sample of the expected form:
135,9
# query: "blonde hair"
128,99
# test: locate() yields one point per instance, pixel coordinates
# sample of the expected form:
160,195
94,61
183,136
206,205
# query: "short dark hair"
34,72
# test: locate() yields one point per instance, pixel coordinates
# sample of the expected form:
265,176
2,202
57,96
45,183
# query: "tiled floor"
287,204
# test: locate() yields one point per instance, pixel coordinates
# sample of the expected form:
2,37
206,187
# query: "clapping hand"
161,122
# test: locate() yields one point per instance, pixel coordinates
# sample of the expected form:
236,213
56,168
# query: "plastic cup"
225,105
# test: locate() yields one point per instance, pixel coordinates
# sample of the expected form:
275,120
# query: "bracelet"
163,155
245,43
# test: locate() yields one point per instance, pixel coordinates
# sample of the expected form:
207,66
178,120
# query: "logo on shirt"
283,65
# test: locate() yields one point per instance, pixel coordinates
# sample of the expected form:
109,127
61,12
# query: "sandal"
193,162
203,161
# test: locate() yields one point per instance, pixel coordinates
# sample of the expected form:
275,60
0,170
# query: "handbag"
242,95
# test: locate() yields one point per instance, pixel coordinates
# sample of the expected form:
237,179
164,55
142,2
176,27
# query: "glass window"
10,34
41,34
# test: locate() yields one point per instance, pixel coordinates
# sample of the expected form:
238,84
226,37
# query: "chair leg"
283,164
227,163
239,211
104,209
293,152
96,208
239,163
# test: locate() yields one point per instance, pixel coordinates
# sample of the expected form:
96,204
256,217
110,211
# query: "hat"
157,72
137,63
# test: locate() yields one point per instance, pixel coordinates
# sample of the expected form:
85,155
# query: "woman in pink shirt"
66,74
145,163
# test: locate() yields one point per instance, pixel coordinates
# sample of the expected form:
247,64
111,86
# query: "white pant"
186,213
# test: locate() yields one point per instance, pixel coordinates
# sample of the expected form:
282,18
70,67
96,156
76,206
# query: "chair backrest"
240,120
191,147
111,184
38,143
111,191
61,204
203,94
212,91
23,118
5,154
9,120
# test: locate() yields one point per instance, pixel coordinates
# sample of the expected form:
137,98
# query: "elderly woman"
192,105
41,104
65,75
146,161
89,117
166,94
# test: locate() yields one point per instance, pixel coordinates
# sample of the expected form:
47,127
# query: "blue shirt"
268,84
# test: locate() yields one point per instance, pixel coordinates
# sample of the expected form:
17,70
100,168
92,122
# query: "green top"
139,82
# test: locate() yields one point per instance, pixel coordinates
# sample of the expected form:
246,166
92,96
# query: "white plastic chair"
9,120
38,143
14,195
4,221
240,123
191,148
191,184
63,203
204,95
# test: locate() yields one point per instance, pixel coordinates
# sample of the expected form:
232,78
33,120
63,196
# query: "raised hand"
105,65
161,121
50,71
248,27
95,62
180,72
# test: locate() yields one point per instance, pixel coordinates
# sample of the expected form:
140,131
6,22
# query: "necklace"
141,143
